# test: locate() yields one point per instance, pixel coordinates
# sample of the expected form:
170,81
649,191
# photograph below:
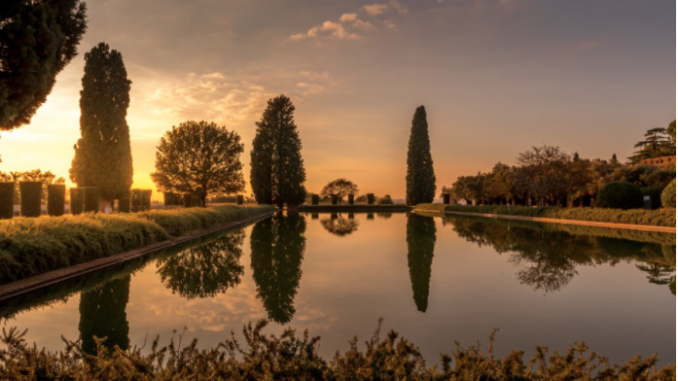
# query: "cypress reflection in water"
278,245
549,254
421,241
102,314
340,226
205,270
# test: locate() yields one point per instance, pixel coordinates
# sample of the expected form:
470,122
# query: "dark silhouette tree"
37,40
657,143
103,156
277,172
205,270
339,188
339,225
278,245
102,314
421,179
421,241
199,159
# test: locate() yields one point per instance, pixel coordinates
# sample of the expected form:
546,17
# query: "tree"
671,131
469,188
339,188
37,40
103,156
277,172
657,143
200,159
421,241
278,245
541,170
421,179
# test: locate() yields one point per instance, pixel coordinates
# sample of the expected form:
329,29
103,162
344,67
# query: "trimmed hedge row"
77,201
637,216
31,198
620,195
7,200
56,199
33,246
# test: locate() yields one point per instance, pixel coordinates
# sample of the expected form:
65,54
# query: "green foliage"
103,155
240,199
91,197
315,199
635,217
31,194
351,199
370,198
655,194
56,199
137,199
446,198
386,200
38,39
7,199
658,142
125,204
335,199
669,195
277,173
421,179
291,356
421,241
33,246
619,195
339,189
77,201
146,195
169,199
199,159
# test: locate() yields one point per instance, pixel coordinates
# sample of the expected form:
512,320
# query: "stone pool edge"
612,225
27,285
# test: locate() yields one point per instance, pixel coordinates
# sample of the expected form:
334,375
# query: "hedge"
655,194
31,198
620,195
7,199
660,217
370,198
315,199
137,202
146,199
669,195
386,200
77,202
335,199
446,198
351,199
56,199
91,199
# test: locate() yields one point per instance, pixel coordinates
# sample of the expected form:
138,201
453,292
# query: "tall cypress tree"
103,156
277,169
421,179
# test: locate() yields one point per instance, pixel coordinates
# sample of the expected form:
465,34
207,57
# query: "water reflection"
205,270
102,314
548,254
278,245
340,226
421,241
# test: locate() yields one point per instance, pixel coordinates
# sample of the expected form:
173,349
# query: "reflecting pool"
433,279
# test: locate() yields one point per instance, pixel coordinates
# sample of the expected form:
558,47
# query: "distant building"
664,160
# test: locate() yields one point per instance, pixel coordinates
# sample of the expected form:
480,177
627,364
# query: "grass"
294,357
32,246
661,217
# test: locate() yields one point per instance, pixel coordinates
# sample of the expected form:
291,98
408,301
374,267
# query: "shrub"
77,202
146,199
446,198
370,198
7,199
31,195
351,199
168,198
124,205
655,194
315,199
620,195
136,199
240,199
386,200
56,199
335,199
91,199
669,195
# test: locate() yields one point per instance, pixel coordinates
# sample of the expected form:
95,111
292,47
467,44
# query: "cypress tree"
421,179
103,156
277,169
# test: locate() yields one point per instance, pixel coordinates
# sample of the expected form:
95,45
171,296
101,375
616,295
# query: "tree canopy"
658,142
421,179
339,188
103,155
37,40
277,173
200,159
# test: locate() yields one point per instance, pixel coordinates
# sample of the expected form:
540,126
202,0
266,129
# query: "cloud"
349,26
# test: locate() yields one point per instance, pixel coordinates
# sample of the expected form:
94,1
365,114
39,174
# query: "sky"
496,76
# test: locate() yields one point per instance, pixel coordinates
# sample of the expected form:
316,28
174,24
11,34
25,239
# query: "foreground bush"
31,246
620,195
669,195
294,357
636,217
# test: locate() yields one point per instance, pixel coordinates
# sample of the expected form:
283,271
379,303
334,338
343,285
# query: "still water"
433,279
